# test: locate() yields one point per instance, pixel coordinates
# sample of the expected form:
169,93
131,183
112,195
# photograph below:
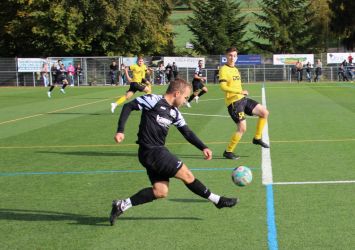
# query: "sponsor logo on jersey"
164,122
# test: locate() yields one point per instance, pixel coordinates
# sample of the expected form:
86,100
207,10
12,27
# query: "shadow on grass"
74,219
91,153
72,113
116,153
189,200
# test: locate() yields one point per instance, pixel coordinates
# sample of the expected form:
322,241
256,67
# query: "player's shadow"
72,219
189,200
72,113
92,153
200,156
39,215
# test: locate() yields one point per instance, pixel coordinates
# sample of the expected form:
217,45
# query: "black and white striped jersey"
157,117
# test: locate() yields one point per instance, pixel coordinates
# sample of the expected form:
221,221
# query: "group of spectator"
299,67
166,74
346,70
70,72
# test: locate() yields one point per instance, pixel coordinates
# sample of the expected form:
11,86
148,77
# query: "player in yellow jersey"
137,83
239,105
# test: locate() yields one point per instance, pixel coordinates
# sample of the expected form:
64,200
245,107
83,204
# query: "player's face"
182,97
232,58
140,62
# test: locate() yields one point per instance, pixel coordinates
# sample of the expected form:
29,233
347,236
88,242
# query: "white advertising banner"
339,57
128,61
30,64
184,62
291,59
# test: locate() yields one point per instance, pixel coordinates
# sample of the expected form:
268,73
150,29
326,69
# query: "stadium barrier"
96,72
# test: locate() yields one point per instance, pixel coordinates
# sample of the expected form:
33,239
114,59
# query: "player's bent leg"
197,187
161,189
234,141
263,114
119,206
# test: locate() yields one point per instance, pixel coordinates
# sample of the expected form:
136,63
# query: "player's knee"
242,130
265,113
161,192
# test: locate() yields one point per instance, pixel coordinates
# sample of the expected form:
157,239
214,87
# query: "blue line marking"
271,224
101,172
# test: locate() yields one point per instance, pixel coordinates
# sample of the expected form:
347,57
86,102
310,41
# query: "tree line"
131,27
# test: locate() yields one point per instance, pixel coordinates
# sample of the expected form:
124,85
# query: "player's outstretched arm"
126,111
194,140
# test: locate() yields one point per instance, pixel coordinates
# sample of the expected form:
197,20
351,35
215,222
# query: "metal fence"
96,72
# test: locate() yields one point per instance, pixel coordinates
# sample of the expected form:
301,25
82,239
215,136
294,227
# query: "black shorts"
196,85
161,165
238,109
61,79
135,86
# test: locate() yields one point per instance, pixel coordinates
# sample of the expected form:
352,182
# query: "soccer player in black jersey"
197,85
158,114
60,78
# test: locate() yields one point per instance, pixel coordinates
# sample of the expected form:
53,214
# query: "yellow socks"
233,142
259,127
121,100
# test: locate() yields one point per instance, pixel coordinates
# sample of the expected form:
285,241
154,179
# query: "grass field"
60,169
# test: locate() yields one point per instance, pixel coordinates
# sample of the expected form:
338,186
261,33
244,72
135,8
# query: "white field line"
51,112
266,167
313,182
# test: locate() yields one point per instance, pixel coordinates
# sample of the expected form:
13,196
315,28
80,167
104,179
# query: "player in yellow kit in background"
137,83
239,105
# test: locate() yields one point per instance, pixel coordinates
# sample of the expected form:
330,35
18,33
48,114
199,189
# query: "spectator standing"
318,70
341,72
216,74
175,70
161,70
44,73
113,72
350,59
78,73
309,71
299,71
71,73
54,74
169,72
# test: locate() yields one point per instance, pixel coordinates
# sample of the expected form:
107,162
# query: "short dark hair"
231,49
177,85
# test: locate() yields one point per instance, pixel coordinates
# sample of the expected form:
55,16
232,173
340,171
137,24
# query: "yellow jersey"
230,83
138,72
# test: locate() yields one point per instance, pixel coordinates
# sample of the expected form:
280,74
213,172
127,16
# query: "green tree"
216,25
286,26
343,21
321,23
84,27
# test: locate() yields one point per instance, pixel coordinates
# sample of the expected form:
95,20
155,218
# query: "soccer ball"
242,176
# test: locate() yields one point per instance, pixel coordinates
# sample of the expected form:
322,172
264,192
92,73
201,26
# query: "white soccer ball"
242,176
